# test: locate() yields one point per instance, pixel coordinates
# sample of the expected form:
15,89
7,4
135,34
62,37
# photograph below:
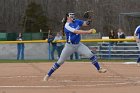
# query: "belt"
73,42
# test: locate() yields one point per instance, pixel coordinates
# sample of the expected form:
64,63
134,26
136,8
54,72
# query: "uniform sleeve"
137,30
68,27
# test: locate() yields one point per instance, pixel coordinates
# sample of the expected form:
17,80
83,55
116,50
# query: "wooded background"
109,14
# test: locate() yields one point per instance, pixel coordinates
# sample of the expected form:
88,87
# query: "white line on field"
60,86
30,86
20,76
112,81
35,76
130,63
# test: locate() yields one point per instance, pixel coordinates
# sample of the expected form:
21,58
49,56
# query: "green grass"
82,60
24,61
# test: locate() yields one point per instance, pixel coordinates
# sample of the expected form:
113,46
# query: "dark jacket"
50,40
20,45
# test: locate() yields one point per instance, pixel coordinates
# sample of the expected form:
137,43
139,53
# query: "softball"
93,31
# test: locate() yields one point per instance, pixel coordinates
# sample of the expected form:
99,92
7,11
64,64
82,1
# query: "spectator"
120,34
59,45
20,48
112,35
76,56
54,46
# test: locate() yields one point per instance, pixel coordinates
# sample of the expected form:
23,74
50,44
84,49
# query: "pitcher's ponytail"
64,20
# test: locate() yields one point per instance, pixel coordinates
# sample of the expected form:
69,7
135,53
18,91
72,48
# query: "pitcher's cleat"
46,78
101,70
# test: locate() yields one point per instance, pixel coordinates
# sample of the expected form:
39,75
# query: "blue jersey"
137,31
70,28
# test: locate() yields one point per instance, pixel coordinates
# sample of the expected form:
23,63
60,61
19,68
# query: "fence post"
49,51
109,51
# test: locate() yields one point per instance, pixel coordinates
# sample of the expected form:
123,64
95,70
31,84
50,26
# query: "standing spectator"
20,48
59,45
76,56
54,45
112,35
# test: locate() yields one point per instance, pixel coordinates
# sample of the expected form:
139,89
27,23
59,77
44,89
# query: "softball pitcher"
137,37
73,44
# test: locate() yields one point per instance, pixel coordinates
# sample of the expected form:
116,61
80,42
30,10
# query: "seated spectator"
120,34
112,35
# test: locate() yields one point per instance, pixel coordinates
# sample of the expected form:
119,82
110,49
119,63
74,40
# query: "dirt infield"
71,77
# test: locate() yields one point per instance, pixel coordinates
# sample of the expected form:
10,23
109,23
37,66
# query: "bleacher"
124,50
